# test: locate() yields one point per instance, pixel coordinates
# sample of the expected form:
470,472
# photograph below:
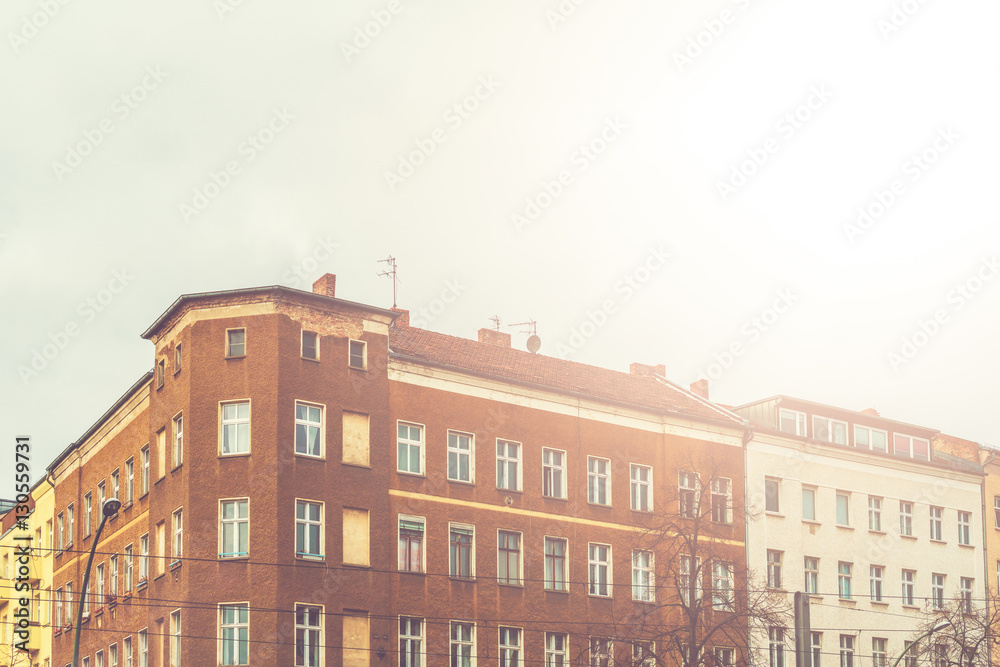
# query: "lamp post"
940,625
109,509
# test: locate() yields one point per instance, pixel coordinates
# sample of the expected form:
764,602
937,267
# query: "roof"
462,354
835,408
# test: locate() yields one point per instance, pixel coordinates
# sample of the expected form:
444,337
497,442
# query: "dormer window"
792,422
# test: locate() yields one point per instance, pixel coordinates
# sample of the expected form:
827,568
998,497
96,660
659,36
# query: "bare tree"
958,633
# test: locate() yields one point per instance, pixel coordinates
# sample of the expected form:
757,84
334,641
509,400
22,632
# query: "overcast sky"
785,197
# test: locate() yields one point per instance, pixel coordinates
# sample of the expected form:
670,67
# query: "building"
307,480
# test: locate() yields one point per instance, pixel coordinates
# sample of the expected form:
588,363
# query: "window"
236,428
935,514
508,465
910,654
309,529
792,422
937,591
870,438
905,518
722,500
965,594
308,429
687,493
600,652
460,467
143,648
642,488
555,564
812,575
310,345
236,342
771,495
61,532
774,568
178,453
816,642
177,543
234,528
725,657
234,622
874,513
875,572
996,512
308,635
556,649
776,646
846,650
356,537
643,588
964,529
553,473
90,597
175,638
598,481
114,574
127,651
600,569
409,448
178,357
722,585
808,504
356,355
843,509
161,548
356,438
463,641
829,430
510,646
509,558
129,481
689,581
128,567
144,455
844,580
940,655
161,453
907,588
58,599
143,557
411,544
161,370
112,656
910,447
87,512
460,559
102,495
115,485
411,642
69,524
643,654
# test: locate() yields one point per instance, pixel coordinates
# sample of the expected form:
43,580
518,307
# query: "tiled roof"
556,374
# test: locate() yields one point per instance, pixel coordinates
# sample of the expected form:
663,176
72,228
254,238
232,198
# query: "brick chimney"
645,370
493,337
870,411
326,285
700,388
403,319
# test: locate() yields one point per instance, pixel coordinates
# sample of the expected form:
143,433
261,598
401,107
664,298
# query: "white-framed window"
553,473
792,421
725,656
99,598
846,650
642,487
236,342
829,430
87,513
115,484
776,646
143,557
114,574
234,528
309,529
774,559
556,572
510,643
601,652
177,531
129,481
102,495
234,634
508,558
808,503
310,345
598,480
462,648
643,654
844,571
411,544
937,591
816,645
599,561
688,580
60,531
722,499
722,585
907,587
308,635
905,518
128,567
772,495
811,566
127,651
143,648
935,515
556,649
965,594
996,512
843,508
309,429
687,493
144,455
70,525
643,583
411,641
357,354
175,638
872,439
508,465
875,513
880,655
910,447
964,527
178,449
178,358
161,371
940,656
461,550
875,580
112,656
235,422
409,448
461,466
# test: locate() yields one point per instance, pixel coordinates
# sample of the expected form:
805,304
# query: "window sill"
814,522
420,572
467,580
967,546
599,597
847,601
176,564
174,469
126,506
313,359
362,466
230,456
310,558
938,542
604,505
845,527
775,514
514,586
912,607
240,557
876,532
407,473
143,496
141,585
909,537
159,576
358,368
554,498
510,490
466,482
881,605
235,356
561,591
356,566
314,457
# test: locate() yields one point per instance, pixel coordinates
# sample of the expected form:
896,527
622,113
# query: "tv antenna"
391,261
534,342
496,322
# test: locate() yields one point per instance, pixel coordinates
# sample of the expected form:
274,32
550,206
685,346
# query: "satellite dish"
534,343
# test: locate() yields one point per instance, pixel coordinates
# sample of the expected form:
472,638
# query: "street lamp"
940,625
109,509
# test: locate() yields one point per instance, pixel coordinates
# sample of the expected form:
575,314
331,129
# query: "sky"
782,197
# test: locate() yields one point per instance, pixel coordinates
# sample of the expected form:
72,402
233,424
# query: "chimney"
870,411
700,388
645,370
326,285
495,338
403,319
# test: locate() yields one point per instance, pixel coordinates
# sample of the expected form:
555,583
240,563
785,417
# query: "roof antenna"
496,322
534,342
391,261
